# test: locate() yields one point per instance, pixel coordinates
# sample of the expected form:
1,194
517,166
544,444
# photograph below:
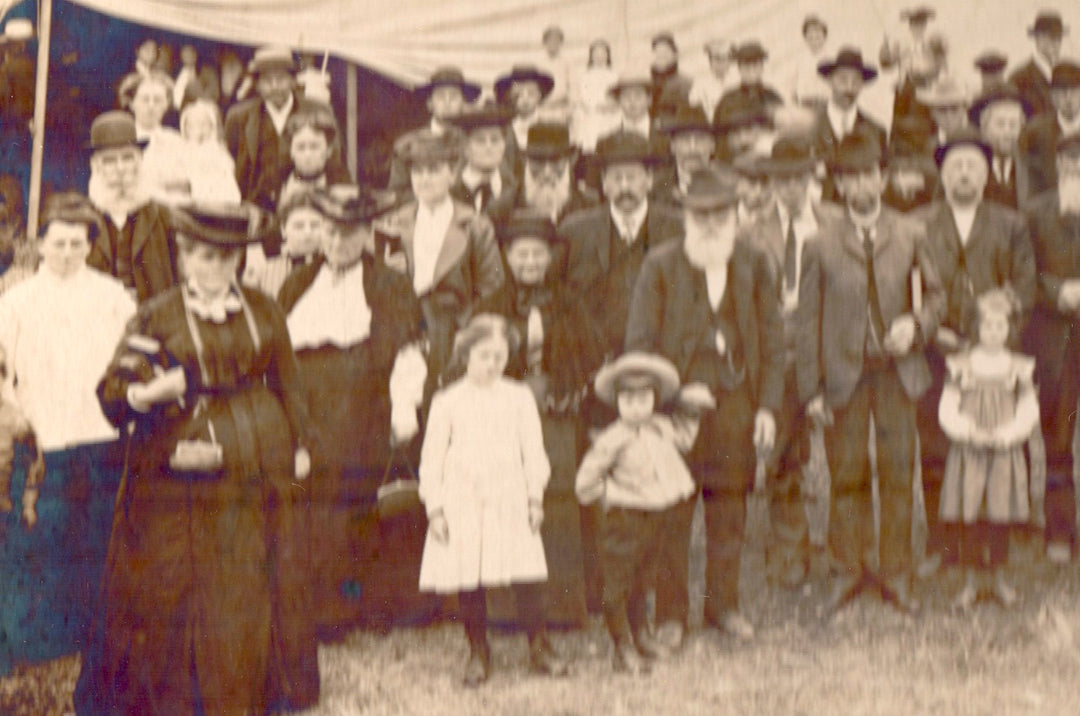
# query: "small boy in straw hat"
634,468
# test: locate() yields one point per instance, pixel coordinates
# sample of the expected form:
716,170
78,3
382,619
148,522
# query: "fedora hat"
789,156
751,51
489,115
710,189
113,129
1066,75
991,62
449,77
1004,93
1047,23
272,57
548,140
851,58
687,118
964,137
352,204
856,153
527,222
622,147
626,81
226,226
524,73
945,92
643,369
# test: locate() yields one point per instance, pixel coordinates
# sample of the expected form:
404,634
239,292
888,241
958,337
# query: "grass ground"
869,660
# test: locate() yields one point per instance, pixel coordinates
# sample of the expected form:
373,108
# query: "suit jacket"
1056,244
587,263
670,315
1015,192
497,208
1038,146
1033,87
242,139
154,266
825,143
833,301
998,253
469,268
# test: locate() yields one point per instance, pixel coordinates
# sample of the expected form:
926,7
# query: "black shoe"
478,666
543,659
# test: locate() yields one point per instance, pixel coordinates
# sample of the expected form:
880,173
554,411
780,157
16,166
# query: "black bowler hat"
113,129
743,111
490,115
851,58
352,204
790,156
1066,75
226,226
687,118
622,146
967,136
548,140
1047,23
527,222
917,14
751,51
1004,93
710,190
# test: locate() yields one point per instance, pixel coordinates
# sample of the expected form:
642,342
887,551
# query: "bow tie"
529,297
216,309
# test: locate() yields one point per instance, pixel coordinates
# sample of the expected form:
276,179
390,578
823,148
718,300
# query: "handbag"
399,496
197,458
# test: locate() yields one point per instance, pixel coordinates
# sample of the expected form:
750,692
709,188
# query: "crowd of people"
569,319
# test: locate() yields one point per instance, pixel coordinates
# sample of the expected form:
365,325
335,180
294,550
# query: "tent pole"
350,119
41,86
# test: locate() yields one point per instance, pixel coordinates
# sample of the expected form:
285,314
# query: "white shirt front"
629,225
60,335
841,121
715,283
805,226
428,237
472,178
280,116
333,311
964,218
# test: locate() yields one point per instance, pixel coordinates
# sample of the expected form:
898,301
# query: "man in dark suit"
841,116
547,183
137,244
708,304
1038,141
782,232
1054,220
1000,116
522,90
750,60
977,245
254,128
605,247
692,142
485,183
1032,78
860,353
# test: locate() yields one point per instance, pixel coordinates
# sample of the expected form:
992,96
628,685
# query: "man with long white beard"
137,245
859,353
977,245
548,181
709,304
1054,218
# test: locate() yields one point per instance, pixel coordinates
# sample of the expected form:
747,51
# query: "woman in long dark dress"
355,325
205,597
559,354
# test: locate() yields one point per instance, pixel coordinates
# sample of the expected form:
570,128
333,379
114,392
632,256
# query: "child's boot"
478,666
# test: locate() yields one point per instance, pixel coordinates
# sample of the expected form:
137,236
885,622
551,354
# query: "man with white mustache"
1054,218
708,303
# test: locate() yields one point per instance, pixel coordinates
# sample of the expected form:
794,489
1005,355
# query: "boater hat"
273,57
226,226
637,369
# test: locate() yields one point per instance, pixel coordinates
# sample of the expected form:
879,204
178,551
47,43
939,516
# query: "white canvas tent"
406,39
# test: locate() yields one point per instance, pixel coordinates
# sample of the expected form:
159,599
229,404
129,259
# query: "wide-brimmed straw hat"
227,226
353,204
637,369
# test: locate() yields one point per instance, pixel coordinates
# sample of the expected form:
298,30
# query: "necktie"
483,195
790,259
534,342
877,321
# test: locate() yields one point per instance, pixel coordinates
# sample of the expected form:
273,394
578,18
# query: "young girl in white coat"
483,471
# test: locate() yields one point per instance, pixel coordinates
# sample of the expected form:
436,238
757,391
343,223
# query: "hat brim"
660,369
549,152
673,127
470,91
222,235
980,105
257,68
785,167
743,120
138,144
942,151
373,205
825,69
606,160
503,84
